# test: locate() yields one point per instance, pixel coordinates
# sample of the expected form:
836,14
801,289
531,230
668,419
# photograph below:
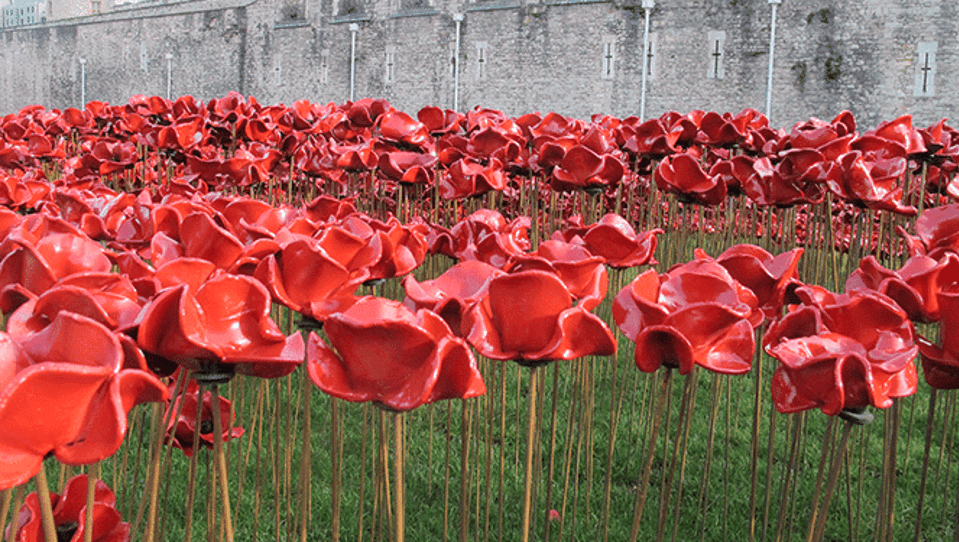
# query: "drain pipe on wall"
772,50
83,83
648,6
354,28
458,19
169,76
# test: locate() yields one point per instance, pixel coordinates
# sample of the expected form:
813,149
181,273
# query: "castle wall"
576,57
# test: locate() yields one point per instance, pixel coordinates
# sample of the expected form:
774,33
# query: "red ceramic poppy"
942,150
312,156
733,173
829,138
841,352
900,130
224,326
940,364
73,206
439,121
651,138
364,112
251,219
582,168
31,269
13,155
770,278
261,130
91,388
452,294
476,225
529,317
450,148
548,152
386,354
407,167
302,276
9,221
937,232
352,242
615,240
399,127
325,208
114,156
69,515
682,175
696,314
583,273
185,134
866,180
495,142
199,237
487,236
253,163
356,157
108,299
186,425
23,189
914,286
404,247
553,124
798,177
467,178
497,248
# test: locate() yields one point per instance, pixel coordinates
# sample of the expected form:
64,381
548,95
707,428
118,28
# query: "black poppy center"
206,426
65,531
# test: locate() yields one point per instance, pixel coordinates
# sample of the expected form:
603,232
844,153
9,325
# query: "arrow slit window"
925,82
717,55
481,60
390,65
609,58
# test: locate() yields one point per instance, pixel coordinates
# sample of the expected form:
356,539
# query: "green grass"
710,490
579,460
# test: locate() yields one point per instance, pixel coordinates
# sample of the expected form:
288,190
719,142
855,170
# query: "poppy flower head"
302,275
583,273
452,294
914,286
93,389
696,314
184,424
681,174
940,363
841,352
392,357
529,317
222,326
772,279
69,514
937,232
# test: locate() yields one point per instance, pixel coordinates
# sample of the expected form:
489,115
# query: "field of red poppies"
695,327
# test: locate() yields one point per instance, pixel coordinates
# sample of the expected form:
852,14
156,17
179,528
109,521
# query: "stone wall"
515,55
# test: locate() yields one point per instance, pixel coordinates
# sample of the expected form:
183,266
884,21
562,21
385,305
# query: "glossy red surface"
69,515
381,352
841,351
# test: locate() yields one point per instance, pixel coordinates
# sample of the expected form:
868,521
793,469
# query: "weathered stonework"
544,55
